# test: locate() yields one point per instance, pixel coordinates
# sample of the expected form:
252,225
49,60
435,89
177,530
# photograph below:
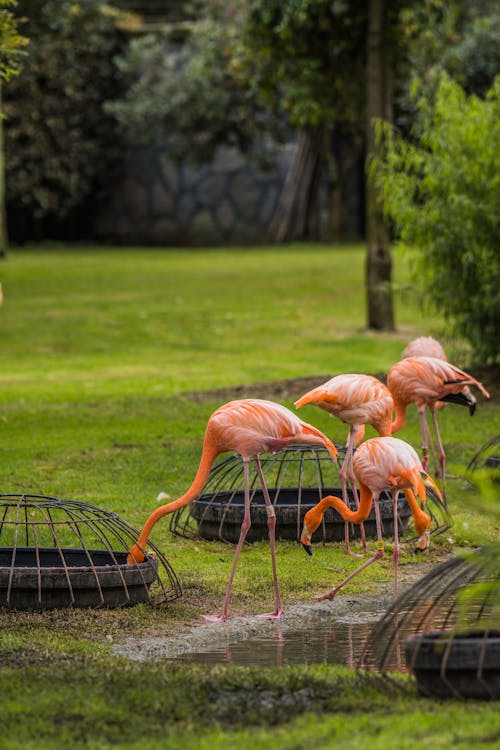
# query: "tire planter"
50,578
220,517
452,666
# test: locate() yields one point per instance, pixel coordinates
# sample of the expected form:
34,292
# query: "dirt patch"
291,388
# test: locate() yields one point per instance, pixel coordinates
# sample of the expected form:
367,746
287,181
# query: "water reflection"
325,643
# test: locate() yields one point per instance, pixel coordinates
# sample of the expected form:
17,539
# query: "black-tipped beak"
462,399
307,548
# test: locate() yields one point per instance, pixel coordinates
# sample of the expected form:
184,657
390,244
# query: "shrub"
441,188
58,138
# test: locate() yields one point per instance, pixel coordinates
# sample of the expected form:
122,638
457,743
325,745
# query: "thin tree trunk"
3,214
378,101
296,214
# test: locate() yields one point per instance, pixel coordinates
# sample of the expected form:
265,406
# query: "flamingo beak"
305,541
431,484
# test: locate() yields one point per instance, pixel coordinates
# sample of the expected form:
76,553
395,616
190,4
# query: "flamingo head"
312,520
305,539
423,540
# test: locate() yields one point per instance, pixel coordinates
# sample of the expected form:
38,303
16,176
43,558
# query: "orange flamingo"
356,400
249,427
426,381
383,463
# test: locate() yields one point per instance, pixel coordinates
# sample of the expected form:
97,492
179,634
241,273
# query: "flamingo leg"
347,471
243,532
395,495
352,479
378,554
271,524
442,455
423,427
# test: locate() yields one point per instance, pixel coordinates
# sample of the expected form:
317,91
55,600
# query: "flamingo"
383,463
356,400
426,381
249,427
426,346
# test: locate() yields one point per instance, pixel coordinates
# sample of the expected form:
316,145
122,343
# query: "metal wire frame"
487,457
448,623
308,470
74,554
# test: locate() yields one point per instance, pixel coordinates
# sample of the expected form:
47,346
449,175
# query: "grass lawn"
113,360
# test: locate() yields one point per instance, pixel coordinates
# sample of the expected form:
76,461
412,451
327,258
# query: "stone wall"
229,201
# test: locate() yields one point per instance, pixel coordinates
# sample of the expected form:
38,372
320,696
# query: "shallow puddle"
332,643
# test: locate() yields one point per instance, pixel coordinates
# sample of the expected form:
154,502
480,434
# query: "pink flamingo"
249,427
426,381
424,346
383,463
356,400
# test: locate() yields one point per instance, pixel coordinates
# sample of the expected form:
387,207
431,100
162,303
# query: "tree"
11,51
441,188
314,67
59,140
379,97
303,59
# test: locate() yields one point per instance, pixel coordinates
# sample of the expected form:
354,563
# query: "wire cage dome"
297,477
487,457
61,553
444,630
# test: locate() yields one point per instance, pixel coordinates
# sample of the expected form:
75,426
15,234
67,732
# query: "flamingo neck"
315,515
400,415
208,456
421,519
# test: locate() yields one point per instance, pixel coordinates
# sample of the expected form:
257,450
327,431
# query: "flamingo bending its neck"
426,381
356,400
249,427
384,463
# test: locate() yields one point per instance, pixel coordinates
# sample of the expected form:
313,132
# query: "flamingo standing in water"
356,400
249,427
383,463
426,381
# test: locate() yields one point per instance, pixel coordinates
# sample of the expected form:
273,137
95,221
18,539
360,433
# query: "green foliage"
11,42
458,38
442,191
247,70
182,92
306,58
58,139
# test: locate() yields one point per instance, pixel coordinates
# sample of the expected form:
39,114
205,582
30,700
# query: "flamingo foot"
349,551
323,597
215,618
273,615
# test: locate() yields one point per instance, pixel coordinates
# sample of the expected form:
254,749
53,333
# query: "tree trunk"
3,213
296,216
378,103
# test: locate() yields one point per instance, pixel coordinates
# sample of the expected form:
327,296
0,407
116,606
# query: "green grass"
102,350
